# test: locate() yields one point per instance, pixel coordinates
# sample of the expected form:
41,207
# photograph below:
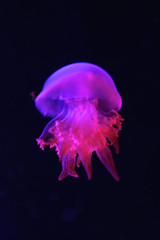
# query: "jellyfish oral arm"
79,132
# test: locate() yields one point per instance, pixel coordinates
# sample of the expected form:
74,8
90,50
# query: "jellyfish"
83,102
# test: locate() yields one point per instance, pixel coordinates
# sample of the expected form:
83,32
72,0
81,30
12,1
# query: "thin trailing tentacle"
47,137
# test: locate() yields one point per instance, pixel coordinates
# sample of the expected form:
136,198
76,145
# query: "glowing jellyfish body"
83,101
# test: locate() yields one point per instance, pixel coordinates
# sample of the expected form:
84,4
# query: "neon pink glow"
83,101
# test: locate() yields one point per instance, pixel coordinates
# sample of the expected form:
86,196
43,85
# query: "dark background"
37,38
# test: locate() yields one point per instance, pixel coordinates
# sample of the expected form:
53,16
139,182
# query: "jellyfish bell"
83,101
78,81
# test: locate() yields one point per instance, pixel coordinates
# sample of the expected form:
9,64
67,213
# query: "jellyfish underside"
80,129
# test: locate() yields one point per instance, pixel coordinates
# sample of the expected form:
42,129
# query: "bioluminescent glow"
83,102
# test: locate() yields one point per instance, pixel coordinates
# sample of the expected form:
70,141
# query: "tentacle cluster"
82,130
